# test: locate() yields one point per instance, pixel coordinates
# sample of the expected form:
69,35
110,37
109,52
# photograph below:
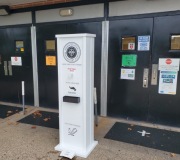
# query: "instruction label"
143,43
16,61
50,60
128,74
129,60
168,82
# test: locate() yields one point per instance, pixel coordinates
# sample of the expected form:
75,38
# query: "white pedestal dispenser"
76,83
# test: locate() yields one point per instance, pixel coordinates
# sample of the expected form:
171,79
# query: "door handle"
154,74
10,68
145,77
5,68
145,83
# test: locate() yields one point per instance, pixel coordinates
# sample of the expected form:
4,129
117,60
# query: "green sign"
129,60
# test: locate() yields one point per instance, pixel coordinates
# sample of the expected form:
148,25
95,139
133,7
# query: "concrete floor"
22,142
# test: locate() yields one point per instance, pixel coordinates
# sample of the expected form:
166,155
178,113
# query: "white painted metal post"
35,66
104,67
23,97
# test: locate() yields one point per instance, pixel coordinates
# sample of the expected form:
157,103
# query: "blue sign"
143,43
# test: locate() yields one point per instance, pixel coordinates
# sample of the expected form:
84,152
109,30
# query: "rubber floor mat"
144,136
6,111
42,118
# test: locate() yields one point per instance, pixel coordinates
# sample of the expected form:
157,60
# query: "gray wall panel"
79,12
15,19
132,7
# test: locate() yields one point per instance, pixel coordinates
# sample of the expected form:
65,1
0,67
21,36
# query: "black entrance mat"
42,118
6,111
157,139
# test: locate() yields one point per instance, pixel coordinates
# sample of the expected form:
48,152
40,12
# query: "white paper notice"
169,64
128,74
168,82
16,61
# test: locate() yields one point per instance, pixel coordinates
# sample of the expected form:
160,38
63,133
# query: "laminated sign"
129,60
50,60
143,43
16,61
168,82
128,74
169,64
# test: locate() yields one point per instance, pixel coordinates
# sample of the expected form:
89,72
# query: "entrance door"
92,28
47,64
6,93
16,64
48,79
128,93
165,108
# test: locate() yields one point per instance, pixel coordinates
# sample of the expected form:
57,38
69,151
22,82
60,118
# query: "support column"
104,67
35,68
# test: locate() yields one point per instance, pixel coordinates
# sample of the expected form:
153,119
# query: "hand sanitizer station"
76,84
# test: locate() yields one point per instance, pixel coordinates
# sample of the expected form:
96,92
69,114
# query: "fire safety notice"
168,82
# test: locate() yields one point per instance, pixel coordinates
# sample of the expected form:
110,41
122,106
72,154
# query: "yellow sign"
50,60
22,49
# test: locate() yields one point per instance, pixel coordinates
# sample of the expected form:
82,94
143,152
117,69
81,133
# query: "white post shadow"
76,88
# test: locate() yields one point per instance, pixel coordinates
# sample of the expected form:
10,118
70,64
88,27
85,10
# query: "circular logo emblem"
72,52
168,61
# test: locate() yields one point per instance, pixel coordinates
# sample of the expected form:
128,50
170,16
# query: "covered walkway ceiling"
19,4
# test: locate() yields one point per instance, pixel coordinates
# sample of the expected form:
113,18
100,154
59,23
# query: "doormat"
42,118
145,136
6,111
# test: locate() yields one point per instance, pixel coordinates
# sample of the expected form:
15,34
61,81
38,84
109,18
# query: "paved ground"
24,142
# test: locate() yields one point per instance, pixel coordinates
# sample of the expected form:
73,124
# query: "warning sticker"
16,61
50,60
